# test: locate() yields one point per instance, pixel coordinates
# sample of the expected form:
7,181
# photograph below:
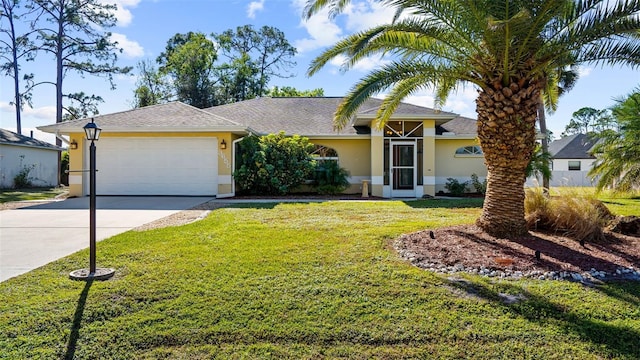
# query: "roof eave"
457,137
124,129
365,119
52,147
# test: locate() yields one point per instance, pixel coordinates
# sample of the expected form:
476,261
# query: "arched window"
321,152
469,151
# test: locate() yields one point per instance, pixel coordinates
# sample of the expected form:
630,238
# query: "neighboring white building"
19,151
571,161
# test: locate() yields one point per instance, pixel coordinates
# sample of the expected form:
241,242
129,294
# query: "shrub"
273,164
578,216
536,209
22,179
329,178
64,167
455,187
480,187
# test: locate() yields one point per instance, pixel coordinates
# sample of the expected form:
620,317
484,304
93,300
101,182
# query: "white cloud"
584,71
322,32
122,13
45,112
367,14
459,102
364,65
131,49
254,7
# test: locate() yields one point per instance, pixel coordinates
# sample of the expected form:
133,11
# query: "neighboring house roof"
572,147
10,138
309,116
173,116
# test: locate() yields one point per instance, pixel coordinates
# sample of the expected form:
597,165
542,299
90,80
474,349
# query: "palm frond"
404,77
315,6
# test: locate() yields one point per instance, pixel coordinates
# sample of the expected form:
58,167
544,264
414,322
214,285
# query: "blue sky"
144,26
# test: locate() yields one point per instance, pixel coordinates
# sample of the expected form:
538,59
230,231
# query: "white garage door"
156,166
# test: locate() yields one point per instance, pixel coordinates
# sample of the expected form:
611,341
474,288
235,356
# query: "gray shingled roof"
572,147
309,116
155,117
11,138
459,126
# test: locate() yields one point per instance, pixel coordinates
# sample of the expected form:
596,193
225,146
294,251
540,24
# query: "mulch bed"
469,246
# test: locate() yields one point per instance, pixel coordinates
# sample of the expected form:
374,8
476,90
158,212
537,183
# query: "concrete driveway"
34,236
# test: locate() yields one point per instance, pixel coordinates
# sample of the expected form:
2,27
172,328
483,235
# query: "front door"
403,169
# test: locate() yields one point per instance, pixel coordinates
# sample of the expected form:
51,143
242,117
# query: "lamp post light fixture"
92,132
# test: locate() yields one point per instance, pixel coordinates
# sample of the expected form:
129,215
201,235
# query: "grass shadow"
445,203
614,340
77,322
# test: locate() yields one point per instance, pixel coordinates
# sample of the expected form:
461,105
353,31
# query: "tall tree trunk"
506,130
16,89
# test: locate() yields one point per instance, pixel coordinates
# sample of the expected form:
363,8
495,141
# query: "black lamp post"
93,134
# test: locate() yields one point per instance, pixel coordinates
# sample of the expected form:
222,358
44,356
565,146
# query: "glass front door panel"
403,179
403,166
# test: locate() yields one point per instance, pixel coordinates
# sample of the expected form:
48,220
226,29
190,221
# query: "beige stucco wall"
76,157
353,155
76,161
429,157
460,167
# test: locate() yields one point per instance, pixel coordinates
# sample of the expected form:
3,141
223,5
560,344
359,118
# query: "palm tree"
505,48
618,152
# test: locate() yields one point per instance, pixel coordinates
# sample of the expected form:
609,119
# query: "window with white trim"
324,153
574,165
469,151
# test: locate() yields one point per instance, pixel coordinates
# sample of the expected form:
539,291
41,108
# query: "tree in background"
288,91
233,66
14,48
618,152
588,120
151,86
253,58
505,48
189,61
78,42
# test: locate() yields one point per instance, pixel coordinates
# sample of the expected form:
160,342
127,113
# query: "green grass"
8,195
304,281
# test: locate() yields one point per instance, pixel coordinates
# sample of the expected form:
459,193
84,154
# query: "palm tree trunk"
506,130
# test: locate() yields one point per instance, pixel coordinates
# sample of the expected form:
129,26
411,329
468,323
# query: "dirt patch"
195,213
469,247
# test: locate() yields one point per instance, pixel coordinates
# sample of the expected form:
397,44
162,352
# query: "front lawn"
305,281
10,195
